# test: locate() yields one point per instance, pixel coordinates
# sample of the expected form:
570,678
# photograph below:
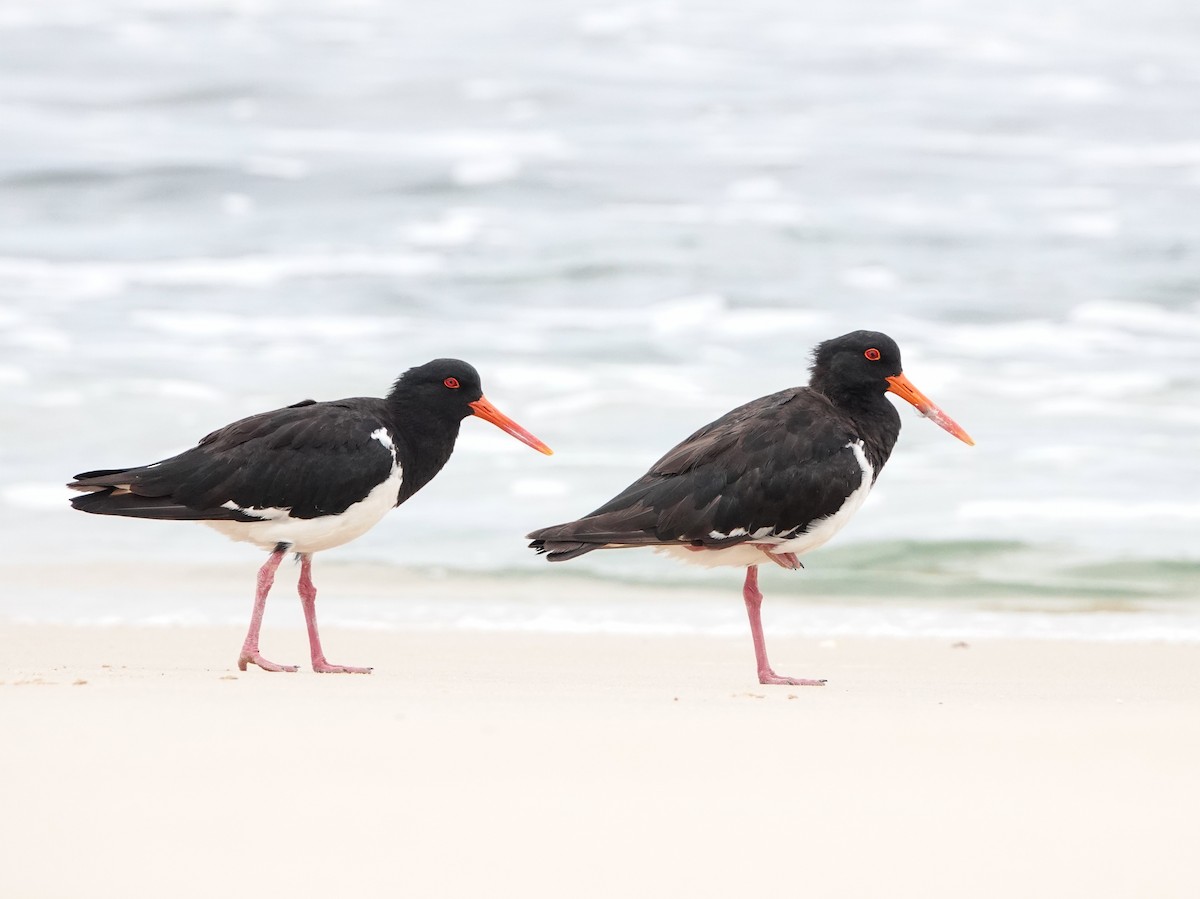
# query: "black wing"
778,463
311,458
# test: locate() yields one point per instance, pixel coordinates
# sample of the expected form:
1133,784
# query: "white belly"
817,534
740,556
310,535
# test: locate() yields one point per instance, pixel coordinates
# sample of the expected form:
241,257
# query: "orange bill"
904,389
488,412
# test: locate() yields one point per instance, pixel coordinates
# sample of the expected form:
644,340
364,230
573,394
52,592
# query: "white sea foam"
1142,317
103,277
13,375
973,143
455,227
523,487
481,170
1072,197
285,167
705,616
1065,88
459,144
1061,510
687,313
38,496
1169,154
754,189
870,277
1049,387
486,90
170,388
1086,224
619,21
40,338
64,398
237,205
746,322
187,323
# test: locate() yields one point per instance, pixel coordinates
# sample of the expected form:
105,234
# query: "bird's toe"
770,677
264,664
323,667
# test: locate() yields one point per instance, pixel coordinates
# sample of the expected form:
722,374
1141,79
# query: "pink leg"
754,599
250,654
308,599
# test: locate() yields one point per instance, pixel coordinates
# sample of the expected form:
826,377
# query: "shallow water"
630,219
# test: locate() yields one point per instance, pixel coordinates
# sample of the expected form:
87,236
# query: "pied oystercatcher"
307,477
768,481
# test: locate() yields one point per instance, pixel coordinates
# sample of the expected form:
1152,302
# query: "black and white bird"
770,480
306,477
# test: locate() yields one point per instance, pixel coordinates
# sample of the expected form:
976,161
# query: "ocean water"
630,217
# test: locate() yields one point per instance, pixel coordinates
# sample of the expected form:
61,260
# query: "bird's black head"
857,369
446,387
857,364
449,390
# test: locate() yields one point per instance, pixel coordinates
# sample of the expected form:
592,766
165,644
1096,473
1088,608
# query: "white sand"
139,762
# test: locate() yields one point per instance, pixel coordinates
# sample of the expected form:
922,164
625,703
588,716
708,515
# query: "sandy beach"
140,762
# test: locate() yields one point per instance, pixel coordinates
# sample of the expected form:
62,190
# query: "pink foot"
770,677
323,667
255,658
784,560
788,561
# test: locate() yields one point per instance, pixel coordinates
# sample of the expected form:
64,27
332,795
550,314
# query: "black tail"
110,501
611,530
111,491
560,551
107,477
566,541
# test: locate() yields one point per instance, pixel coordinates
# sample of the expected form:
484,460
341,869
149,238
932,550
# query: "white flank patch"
818,533
736,532
310,535
383,437
739,556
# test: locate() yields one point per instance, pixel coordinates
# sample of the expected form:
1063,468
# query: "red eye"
452,383
872,354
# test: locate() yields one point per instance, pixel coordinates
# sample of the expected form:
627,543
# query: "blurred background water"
630,218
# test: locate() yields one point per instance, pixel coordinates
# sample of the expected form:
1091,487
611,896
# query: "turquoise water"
630,218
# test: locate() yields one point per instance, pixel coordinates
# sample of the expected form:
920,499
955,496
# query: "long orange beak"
488,412
904,389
